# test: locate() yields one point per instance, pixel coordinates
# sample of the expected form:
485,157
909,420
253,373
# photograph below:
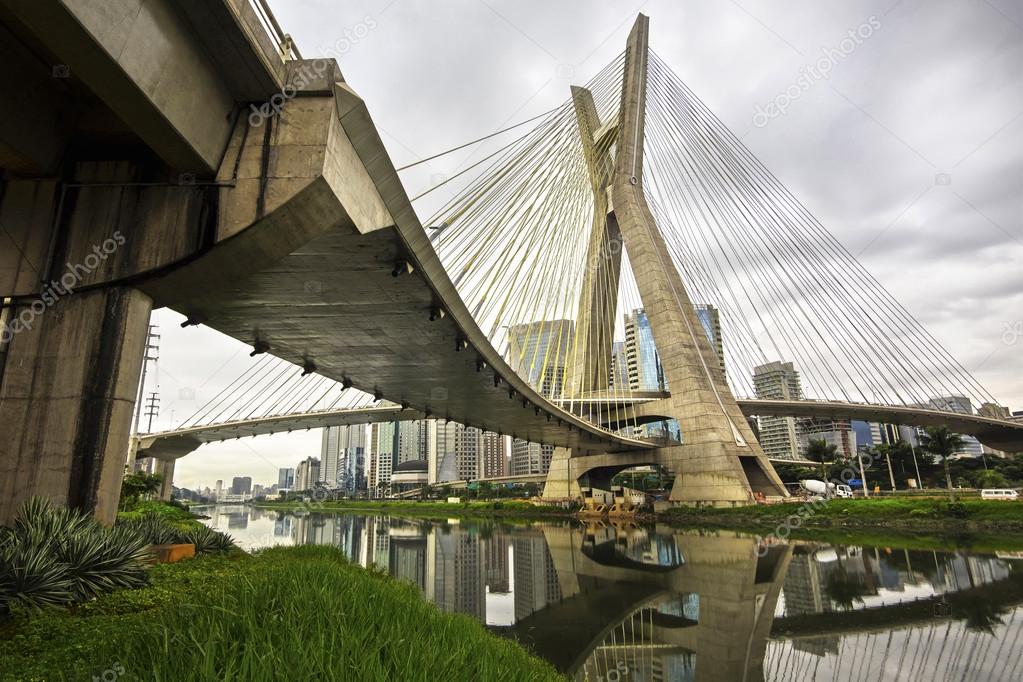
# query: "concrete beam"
145,62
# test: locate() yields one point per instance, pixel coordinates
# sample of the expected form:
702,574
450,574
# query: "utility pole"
152,354
152,409
891,476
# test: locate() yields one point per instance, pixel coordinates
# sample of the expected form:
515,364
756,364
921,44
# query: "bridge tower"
719,461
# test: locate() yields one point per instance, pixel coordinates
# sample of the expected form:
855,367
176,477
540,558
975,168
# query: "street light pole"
916,466
891,476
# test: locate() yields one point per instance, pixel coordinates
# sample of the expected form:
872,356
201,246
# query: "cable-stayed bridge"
627,217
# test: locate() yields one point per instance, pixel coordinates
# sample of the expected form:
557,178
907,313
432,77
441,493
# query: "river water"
621,601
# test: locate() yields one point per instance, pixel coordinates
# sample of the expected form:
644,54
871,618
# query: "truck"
823,489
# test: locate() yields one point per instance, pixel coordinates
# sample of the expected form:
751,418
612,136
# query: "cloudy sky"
910,150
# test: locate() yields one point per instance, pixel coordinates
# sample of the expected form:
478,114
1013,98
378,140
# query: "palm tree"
942,443
819,450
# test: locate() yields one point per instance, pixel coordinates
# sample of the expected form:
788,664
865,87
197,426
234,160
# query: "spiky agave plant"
154,530
30,575
54,555
207,540
103,559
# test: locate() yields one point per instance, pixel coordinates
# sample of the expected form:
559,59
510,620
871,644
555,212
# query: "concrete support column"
67,395
562,481
165,468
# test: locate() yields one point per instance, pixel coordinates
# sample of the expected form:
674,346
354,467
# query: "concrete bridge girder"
98,235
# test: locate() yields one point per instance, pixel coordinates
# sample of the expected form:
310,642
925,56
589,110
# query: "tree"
818,450
136,485
992,479
942,443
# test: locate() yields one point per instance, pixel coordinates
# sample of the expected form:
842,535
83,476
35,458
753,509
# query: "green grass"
893,513
286,613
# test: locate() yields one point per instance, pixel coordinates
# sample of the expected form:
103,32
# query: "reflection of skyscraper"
496,564
803,588
458,578
283,525
408,556
779,436
536,580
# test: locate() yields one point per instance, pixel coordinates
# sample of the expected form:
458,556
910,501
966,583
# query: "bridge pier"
165,468
67,396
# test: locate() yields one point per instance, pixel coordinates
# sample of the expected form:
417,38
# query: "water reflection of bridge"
716,602
666,604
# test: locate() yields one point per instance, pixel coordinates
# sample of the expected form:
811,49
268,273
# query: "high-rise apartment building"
495,455
540,351
619,378
241,485
710,319
837,432
383,446
459,452
530,458
343,457
779,436
307,475
962,405
643,364
285,479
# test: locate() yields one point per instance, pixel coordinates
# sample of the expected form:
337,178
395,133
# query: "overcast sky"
910,151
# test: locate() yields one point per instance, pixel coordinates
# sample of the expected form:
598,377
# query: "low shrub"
55,555
157,531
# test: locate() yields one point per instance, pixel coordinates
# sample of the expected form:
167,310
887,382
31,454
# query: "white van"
998,494
842,490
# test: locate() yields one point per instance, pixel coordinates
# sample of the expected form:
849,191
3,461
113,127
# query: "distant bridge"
182,441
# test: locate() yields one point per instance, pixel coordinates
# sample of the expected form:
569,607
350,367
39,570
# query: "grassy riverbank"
897,514
429,508
299,612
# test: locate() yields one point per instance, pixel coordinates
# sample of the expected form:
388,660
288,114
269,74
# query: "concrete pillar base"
562,482
165,468
67,395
